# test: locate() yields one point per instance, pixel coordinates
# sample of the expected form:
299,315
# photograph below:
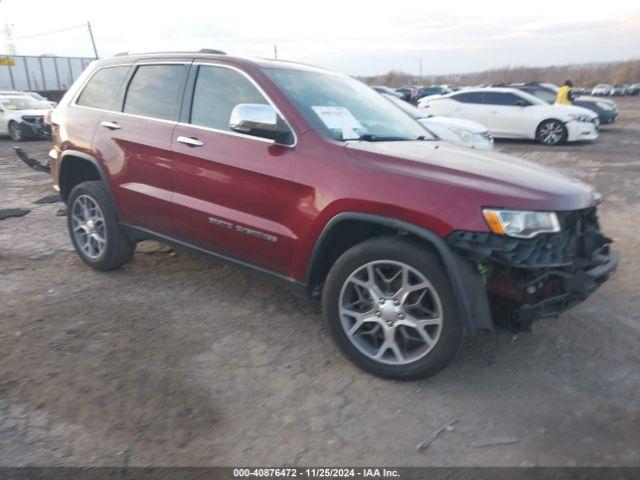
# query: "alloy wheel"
390,312
15,132
551,132
89,229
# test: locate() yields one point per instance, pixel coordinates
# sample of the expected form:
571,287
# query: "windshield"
544,94
22,103
343,108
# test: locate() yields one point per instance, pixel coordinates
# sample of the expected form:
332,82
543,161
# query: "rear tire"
551,132
94,228
388,306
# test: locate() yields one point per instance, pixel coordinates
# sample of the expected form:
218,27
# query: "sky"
353,37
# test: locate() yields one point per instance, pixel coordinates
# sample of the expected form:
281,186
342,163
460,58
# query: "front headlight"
465,135
520,224
604,106
580,118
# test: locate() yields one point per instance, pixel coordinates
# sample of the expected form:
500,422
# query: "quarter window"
155,91
103,87
468,97
217,91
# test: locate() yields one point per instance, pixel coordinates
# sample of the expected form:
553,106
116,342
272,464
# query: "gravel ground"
175,360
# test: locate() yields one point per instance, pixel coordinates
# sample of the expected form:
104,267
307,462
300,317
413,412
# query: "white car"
511,113
602,89
453,130
22,117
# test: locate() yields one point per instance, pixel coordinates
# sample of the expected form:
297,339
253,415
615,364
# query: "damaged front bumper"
529,279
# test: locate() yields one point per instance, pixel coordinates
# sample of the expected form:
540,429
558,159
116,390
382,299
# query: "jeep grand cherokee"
314,179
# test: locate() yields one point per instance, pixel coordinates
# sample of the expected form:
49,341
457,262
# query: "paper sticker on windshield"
340,118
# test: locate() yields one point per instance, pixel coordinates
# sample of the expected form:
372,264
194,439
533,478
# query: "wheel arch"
467,285
76,167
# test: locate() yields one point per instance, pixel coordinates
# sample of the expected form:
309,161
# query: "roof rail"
202,50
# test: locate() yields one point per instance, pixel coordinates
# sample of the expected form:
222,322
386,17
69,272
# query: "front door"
234,193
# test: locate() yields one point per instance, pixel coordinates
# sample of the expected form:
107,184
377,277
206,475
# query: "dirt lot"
175,360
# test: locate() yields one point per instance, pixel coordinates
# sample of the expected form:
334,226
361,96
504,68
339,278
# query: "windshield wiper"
368,137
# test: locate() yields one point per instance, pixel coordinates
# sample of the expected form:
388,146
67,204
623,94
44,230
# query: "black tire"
553,140
413,254
15,132
119,247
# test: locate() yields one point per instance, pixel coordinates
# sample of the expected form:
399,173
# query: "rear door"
135,143
505,118
468,105
234,193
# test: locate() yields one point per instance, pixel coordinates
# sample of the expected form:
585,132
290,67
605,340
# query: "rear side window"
468,97
503,98
103,87
155,91
216,92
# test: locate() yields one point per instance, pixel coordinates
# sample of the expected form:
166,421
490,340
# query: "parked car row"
617,90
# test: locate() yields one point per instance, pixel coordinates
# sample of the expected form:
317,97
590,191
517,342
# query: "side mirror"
521,103
259,120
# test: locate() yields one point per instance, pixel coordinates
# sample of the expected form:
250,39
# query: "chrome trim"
192,142
233,134
74,103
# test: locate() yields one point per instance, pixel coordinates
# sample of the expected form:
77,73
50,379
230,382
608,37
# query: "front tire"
94,228
15,132
551,132
388,306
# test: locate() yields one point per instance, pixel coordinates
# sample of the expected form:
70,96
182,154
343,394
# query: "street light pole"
93,42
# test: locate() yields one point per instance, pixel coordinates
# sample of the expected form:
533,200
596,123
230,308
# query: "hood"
454,122
501,180
574,110
589,98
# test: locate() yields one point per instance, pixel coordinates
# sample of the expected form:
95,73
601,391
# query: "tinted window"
217,91
468,97
155,91
503,98
102,88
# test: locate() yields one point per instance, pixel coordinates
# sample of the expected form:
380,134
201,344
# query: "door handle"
192,142
493,111
110,125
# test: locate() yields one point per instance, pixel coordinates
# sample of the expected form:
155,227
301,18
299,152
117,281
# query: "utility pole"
8,35
93,42
420,70
275,52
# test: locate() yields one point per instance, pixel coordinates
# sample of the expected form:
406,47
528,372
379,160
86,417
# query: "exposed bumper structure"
541,277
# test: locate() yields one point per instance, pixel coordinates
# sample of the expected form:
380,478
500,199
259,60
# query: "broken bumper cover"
529,279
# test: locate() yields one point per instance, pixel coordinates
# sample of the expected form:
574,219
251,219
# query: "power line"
84,25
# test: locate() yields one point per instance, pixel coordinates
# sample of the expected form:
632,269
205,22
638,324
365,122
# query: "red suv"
315,180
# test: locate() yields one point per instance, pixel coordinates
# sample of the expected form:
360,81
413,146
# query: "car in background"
429,91
634,89
387,90
602,89
22,117
607,110
512,113
406,92
453,130
619,90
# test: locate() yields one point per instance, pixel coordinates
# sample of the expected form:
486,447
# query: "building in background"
49,75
